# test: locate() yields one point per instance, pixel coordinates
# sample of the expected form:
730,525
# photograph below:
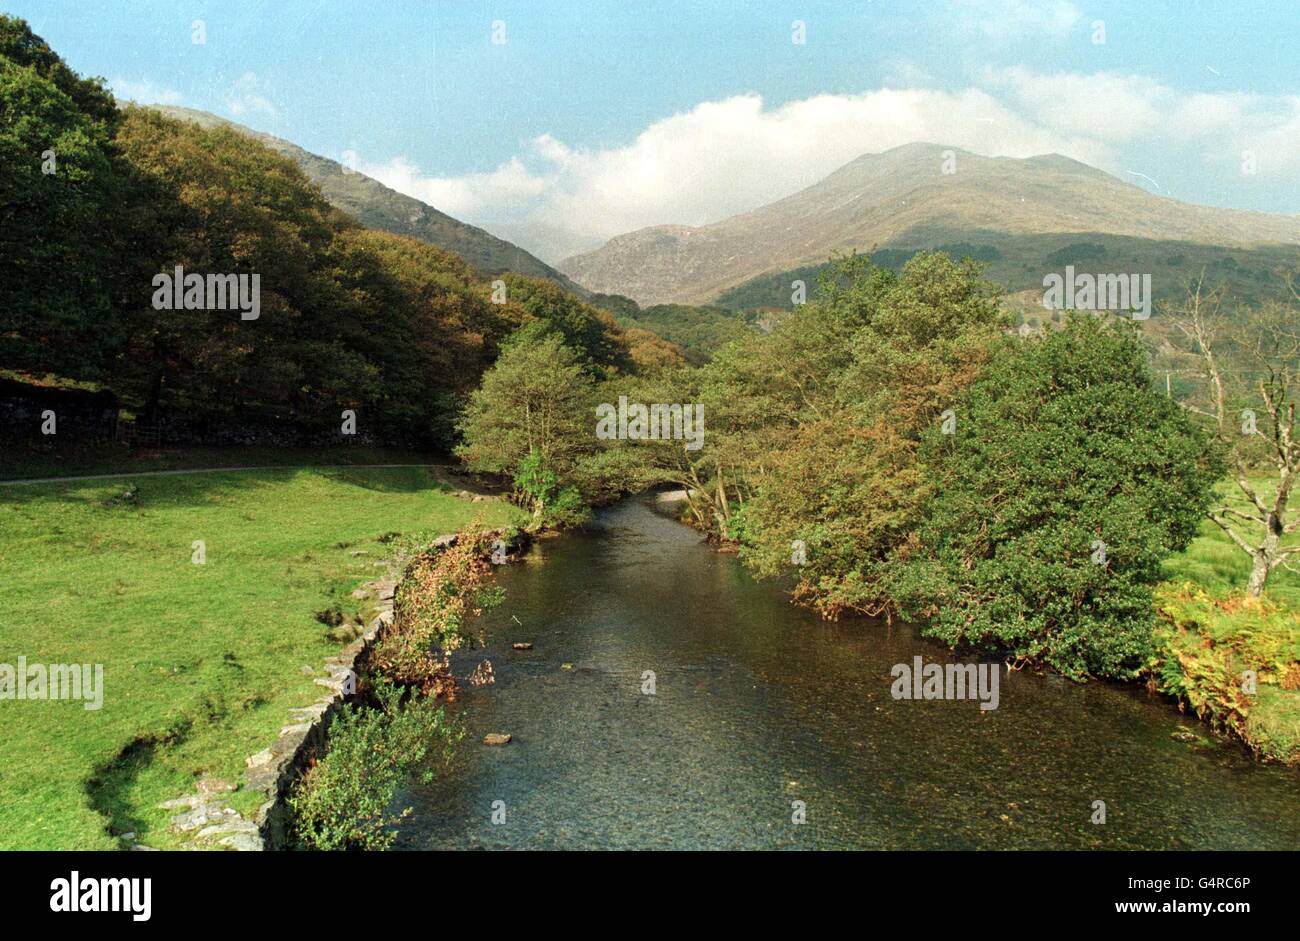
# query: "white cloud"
143,92
247,96
474,194
1117,110
732,155
1005,20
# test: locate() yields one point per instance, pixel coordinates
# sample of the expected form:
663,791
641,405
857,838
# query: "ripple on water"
759,704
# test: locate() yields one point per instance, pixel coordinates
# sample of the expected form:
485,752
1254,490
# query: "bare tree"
1264,345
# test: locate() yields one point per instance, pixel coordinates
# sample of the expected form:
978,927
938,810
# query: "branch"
1245,546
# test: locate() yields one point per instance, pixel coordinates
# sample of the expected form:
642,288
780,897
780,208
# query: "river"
758,705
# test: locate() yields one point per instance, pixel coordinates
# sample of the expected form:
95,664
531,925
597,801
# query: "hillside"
902,199
376,206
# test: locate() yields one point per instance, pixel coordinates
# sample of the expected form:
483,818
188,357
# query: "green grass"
1214,561
201,662
1223,635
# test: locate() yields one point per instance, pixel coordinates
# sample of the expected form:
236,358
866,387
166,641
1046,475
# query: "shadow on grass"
191,489
109,788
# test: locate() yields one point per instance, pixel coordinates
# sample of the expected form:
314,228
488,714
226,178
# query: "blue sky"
598,116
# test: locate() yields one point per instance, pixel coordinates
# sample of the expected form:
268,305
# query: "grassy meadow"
202,663
1229,633
1214,561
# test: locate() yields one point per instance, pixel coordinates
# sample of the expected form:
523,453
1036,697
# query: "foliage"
343,800
540,487
590,332
1205,643
698,332
1066,483
439,593
396,330
845,390
532,419
60,183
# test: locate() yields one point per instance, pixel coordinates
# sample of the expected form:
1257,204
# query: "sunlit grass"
202,662
1215,561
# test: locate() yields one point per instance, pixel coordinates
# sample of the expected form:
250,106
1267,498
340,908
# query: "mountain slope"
902,198
376,206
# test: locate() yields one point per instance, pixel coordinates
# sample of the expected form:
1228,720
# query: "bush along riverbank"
1235,661
397,725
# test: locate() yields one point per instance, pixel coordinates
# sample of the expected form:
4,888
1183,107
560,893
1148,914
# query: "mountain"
902,199
376,206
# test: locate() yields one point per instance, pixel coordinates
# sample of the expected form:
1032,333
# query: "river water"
758,705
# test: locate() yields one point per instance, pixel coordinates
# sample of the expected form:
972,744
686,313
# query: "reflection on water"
759,704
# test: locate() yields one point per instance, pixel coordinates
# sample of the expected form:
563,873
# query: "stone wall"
79,415
206,814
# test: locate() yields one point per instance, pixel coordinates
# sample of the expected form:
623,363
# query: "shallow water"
759,704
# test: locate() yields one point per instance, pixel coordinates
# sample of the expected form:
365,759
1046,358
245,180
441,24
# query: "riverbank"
1234,661
211,600
342,797
1208,635
669,700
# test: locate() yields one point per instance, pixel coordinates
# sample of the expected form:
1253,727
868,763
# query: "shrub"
343,801
1205,643
1065,484
440,591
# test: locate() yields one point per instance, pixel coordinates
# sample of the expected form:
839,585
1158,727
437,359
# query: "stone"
261,758
180,803
360,593
265,779
479,498
289,742
306,670
227,828
191,821
497,738
208,786
522,645
244,842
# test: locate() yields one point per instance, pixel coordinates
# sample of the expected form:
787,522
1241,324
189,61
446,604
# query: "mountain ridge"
377,206
903,198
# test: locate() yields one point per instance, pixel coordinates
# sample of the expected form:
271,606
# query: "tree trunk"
1265,557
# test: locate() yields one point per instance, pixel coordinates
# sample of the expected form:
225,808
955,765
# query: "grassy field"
201,662
1228,635
1215,562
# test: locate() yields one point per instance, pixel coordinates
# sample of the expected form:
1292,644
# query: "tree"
1063,482
1251,367
60,190
590,332
531,418
819,424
